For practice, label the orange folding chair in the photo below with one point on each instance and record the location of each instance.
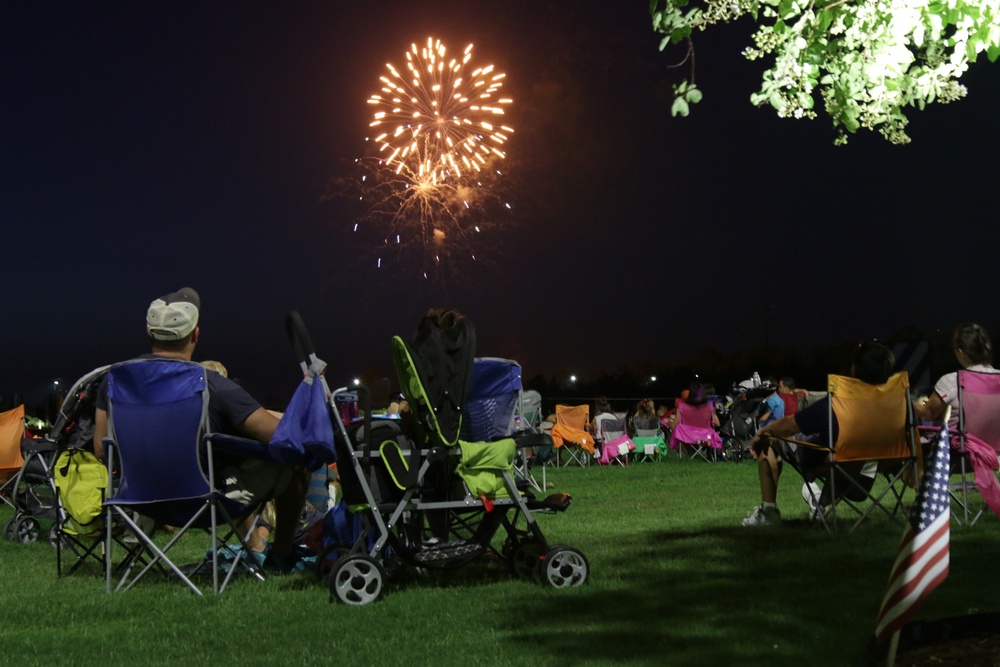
(11, 432)
(876, 437)
(570, 436)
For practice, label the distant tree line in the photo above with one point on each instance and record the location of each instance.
(709, 366)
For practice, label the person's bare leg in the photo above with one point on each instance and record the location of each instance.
(254, 539)
(769, 472)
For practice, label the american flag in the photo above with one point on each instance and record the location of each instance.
(922, 562)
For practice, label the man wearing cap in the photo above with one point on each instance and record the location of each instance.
(172, 325)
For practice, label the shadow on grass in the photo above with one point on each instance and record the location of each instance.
(720, 596)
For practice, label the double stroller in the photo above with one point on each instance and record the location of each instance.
(421, 498)
(33, 489)
(737, 412)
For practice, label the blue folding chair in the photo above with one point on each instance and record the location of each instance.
(494, 409)
(492, 405)
(159, 440)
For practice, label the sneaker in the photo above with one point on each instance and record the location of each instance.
(811, 492)
(763, 516)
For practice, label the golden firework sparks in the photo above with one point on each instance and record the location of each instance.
(436, 122)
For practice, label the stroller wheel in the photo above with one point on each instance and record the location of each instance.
(357, 580)
(26, 530)
(8, 529)
(564, 567)
(524, 557)
(327, 559)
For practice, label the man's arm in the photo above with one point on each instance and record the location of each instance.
(785, 427)
(259, 426)
(930, 408)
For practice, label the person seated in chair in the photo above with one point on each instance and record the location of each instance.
(645, 417)
(173, 329)
(696, 395)
(872, 363)
(602, 412)
(974, 351)
(773, 407)
(789, 395)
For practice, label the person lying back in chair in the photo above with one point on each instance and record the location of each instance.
(873, 364)
(172, 325)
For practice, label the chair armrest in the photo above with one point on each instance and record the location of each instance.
(803, 443)
(533, 440)
(38, 445)
(242, 447)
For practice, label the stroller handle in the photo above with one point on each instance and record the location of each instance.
(301, 343)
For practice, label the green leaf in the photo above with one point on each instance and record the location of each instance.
(653, 4)
(993, 52)
(823, 20)
(664, 42)
(693, 95)
(679, 108)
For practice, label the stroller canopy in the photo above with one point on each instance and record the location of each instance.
(434, 373)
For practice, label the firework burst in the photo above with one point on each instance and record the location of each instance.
(431, 185)
(436, 122)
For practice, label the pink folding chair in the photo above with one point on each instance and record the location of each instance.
(977, 440)
(615, 443)
(694, 429)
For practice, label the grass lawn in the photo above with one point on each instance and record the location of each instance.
(675, 580)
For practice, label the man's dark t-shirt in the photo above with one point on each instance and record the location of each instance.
(229, 404)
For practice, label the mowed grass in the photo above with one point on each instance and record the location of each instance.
(675, 580)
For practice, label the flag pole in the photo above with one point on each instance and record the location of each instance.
(890, 658)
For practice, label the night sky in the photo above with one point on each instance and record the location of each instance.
(150, 146)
